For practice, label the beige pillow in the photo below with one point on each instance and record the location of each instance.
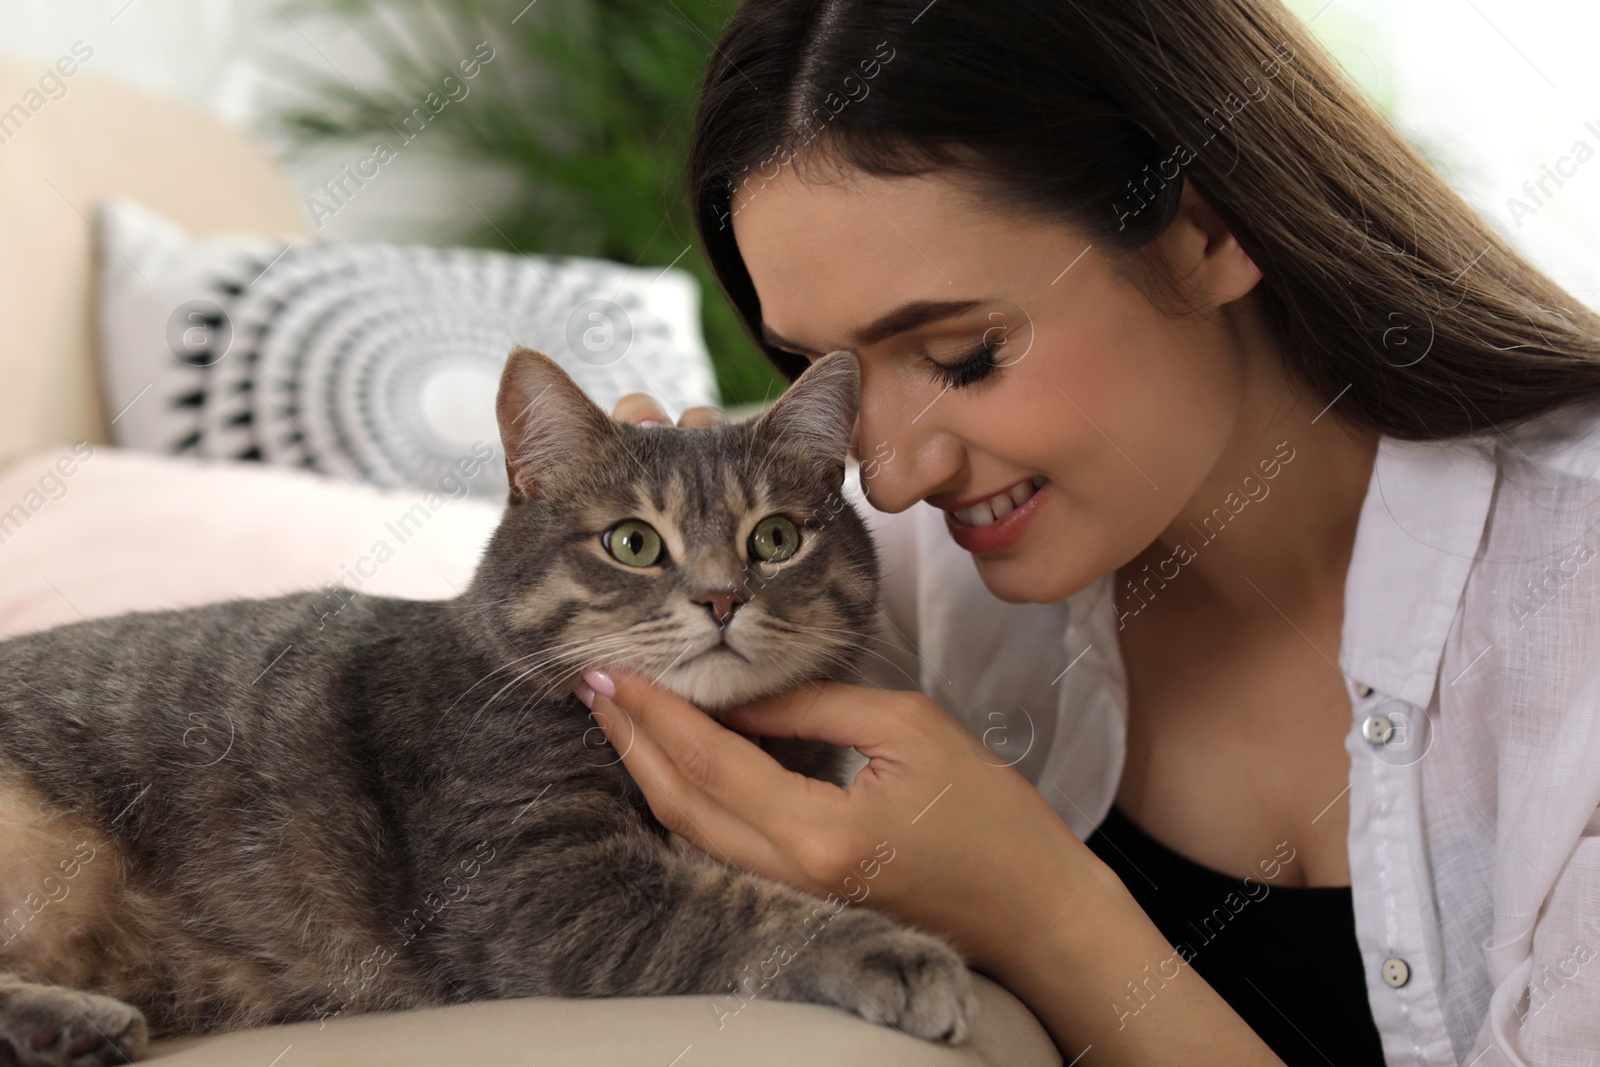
(92, 530)
(91, 138)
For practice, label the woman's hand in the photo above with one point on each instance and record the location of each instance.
(935, 828)
(641, 408)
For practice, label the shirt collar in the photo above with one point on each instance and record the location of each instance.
(1417, 537)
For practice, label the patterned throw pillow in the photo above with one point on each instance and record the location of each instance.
(375, 362)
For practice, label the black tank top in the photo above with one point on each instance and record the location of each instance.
(1285, 958)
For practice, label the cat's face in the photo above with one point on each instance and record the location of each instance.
(722, 561)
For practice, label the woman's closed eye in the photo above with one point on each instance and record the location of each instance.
(975, 366)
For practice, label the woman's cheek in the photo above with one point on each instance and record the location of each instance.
(1102, 418)
(1036, 427)
(1163, 392)
(1070, 397)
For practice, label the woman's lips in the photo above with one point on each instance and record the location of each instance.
(1000, 534)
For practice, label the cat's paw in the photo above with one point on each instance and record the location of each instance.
(904, 978)
(41, 1026)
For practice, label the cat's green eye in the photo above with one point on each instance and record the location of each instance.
(633, 542)
(774, 539)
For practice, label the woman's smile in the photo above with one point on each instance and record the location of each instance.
(995, 522)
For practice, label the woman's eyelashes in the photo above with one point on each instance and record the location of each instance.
(975, 366)
(972, 368)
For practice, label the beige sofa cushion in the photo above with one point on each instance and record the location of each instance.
(620, 1032)
(55, 162)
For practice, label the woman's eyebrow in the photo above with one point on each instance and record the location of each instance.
(907, 316)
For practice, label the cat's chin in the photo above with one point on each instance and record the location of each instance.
(717, 682)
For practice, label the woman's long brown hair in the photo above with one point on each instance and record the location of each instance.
(1388, 293)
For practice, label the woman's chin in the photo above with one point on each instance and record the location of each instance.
(1023, 580)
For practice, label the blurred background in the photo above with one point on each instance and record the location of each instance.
(572, 138)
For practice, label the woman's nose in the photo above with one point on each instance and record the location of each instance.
(904, 455)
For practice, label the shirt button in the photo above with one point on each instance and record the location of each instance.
(1396, 972)
(1363, 690)
(1378, 729)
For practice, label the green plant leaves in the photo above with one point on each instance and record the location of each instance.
(589, 104)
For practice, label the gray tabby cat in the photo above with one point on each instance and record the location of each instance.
(410, 807)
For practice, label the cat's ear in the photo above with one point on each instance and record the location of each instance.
(546, 420)
(818, 412)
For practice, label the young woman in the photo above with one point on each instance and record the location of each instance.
(1262, 476)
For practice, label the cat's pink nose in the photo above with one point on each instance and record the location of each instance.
(722, 605)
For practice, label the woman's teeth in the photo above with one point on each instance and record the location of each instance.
(982, 514)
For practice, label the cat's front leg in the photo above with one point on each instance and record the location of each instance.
(47, 1026)
(629, 916)
(832, 952)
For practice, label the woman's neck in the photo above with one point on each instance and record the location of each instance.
(1272, 528)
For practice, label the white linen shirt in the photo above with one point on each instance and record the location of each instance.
(1471, 640)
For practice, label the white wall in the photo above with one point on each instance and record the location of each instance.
(1495, 88)
(1498, 89)
(218, 55)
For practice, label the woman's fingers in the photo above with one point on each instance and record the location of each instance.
(678, 805)
(823, 711)
(642, 408)
(726, 767)
(639, 408)
(703, 416)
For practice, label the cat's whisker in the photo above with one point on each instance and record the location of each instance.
(461, 696)
(559, 649)
(479, 605)
(842, 657)
(637, 662)
(848, 637)
(852, 635)
(575, 650)
(766, 465)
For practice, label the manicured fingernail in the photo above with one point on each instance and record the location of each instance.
(584, 694)
(650, 422)
(601, 682)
